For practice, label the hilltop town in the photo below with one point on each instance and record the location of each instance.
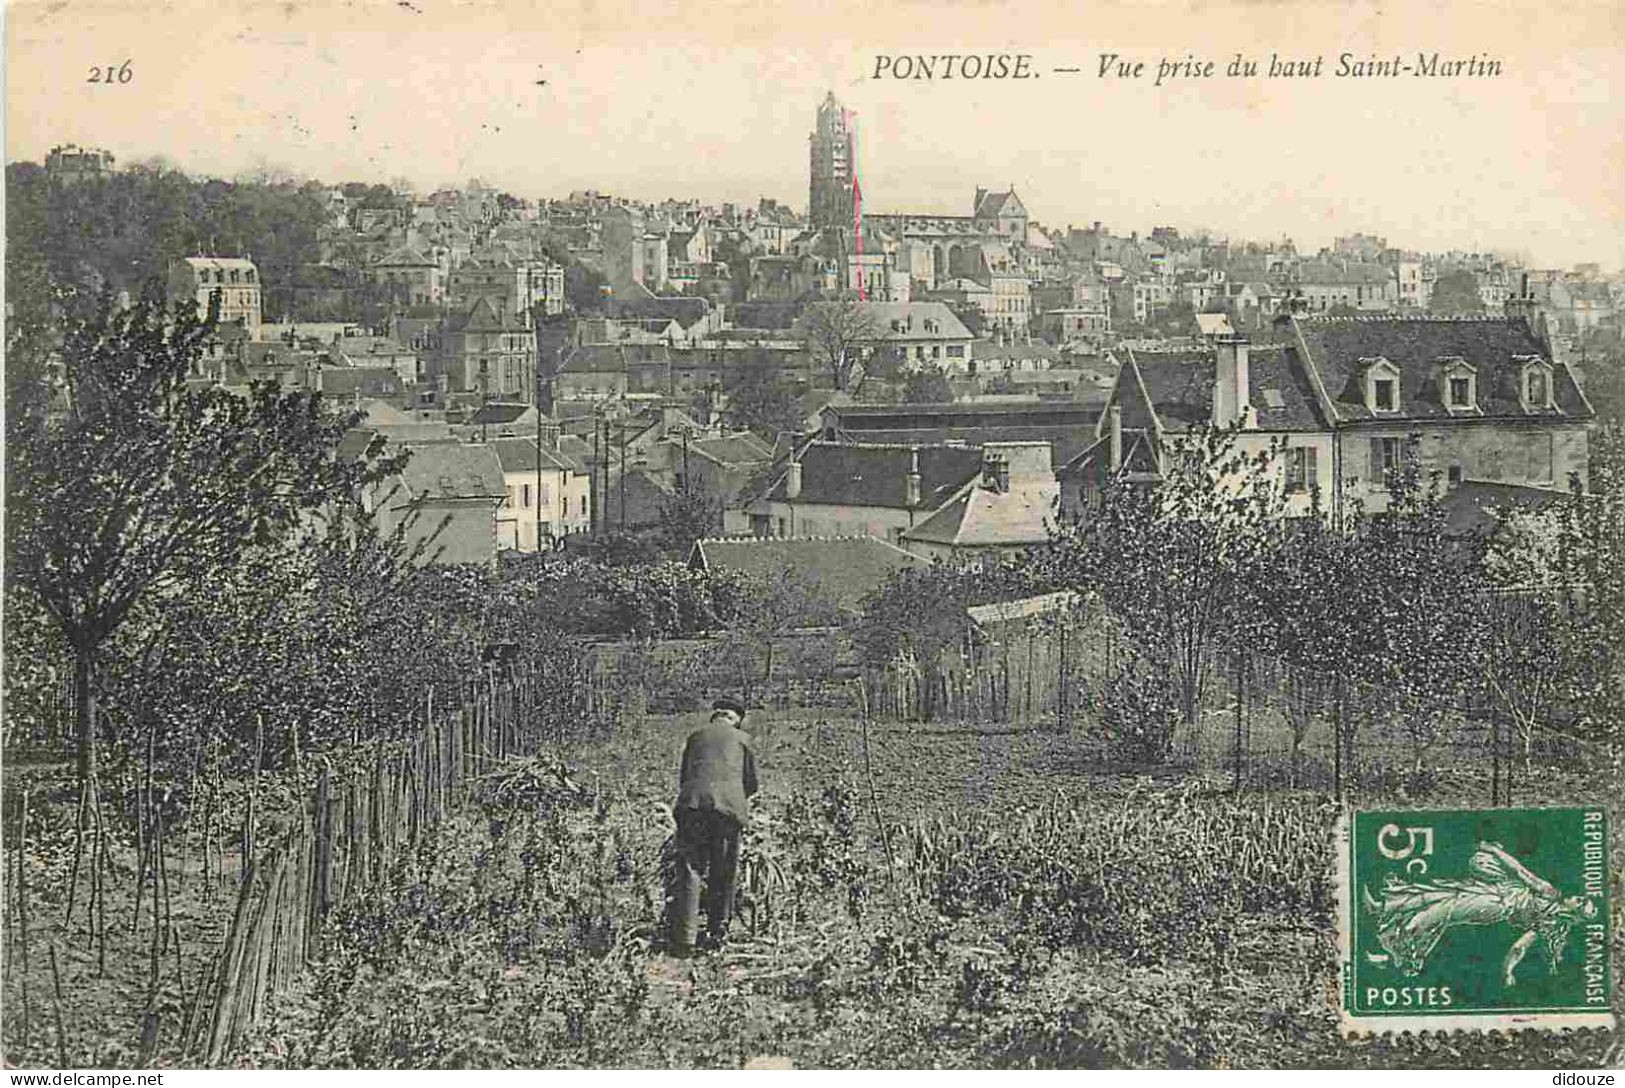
(587, 362)
(1013, 608)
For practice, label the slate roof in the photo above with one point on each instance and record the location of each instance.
(1068, 425)
(1415, 345)
(743, 448)
(575, 448)
(644, 498)
(842, 569)
(362, 346)
(991, 350)
(593, 358)
(498, 412)
(482, 317)
(1355, 273)
(405, 256)
(613, 358)
(978, 517)
(963, 284)
(369, 381)
(764, 314)
(520, 455)
(498, 256)
(646, 354)
(865, 417)
(949, 327)
(685, 311)
(993, 205)
(1139, 458)
(454, 471)
(873, 474)
(354, 443)
(239, 263)
(1474, 506)
(1180, 387)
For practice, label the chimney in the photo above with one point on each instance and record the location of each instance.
(1231, 386)
(1022, 467)
(1115, 417)
(912, 497)
(792, 480)
(996, 474)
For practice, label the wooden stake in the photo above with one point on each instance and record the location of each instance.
(22, 911)
(231, 971)
(61, 1032)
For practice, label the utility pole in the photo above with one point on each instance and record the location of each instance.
(538, 479)
(623, 475)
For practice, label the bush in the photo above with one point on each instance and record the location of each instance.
(1140, 714)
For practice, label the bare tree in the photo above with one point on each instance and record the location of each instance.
(837, 332)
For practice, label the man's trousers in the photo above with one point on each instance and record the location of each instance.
(708, 853)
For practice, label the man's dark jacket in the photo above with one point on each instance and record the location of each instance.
(719, 771)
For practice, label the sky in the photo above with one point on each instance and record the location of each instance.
(714, 101)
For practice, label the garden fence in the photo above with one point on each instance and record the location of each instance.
(1255, 722)
(356, 824)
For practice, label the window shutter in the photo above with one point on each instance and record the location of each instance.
(1310, 467)
(1376, 463)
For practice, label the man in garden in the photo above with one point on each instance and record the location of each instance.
(718, 778)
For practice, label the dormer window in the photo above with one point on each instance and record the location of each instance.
(1381, 385)
(1536, 388)
(1458, 380)
(1534, 383)
(1383, 398)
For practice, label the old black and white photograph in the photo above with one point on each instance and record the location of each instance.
(827, 536)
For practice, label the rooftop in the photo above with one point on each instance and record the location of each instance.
(842, 569)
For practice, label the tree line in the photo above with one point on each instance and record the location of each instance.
(1526, 623)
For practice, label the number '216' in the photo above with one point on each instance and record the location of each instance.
(110, 74)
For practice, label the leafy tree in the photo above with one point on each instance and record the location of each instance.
(585, 288)
(126, 482)
(307, 643)
(1456, 293)
(758, 398)
(838, 333)
(1590, 560)
(691, 512)
(122, 230)
(928, 385)
(769, 606)
(1410, 599)
(1604, 366)
(1177, 320)
(735, 253)
(920, 611)
(1175, 563)
(1303, 598)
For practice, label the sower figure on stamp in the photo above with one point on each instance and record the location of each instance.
(718, 778)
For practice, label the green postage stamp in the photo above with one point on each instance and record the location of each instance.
(1474, 918)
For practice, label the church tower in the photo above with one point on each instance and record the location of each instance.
(832, 166)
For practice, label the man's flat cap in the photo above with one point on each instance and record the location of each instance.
(729, 703)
